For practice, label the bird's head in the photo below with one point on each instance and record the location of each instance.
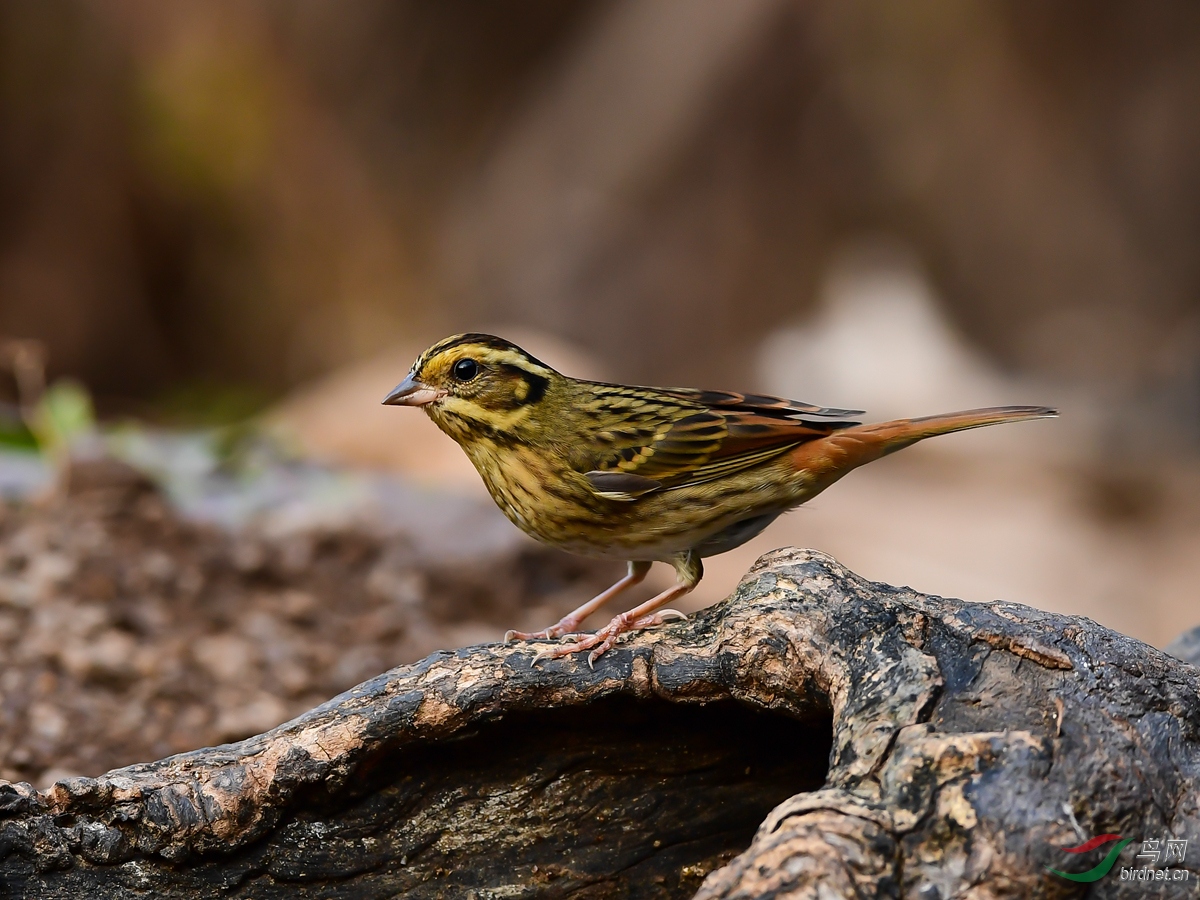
(470, 382)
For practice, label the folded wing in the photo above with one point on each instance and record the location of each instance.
(678, 437)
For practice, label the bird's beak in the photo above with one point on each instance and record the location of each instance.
(411, 392)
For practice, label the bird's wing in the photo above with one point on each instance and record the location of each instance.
(649, 440)
(763, 404)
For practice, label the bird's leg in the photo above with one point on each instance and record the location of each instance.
(688, 571)
(570, 623)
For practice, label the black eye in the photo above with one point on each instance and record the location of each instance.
(466, 369)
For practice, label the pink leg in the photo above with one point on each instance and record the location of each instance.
(569, 623)
(689, 572)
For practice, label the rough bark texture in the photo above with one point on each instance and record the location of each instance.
(897, 744)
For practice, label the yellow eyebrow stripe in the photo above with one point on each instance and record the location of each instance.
(507, 358)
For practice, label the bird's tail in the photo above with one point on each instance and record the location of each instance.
(831, 457)
(889, 437)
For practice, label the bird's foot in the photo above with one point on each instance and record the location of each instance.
(604, 639)
(567, 625)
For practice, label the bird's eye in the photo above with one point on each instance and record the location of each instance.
(465, 369)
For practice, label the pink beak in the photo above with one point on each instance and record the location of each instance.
(411, 392)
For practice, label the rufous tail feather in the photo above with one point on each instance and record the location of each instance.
(831, 457)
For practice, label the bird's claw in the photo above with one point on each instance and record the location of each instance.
(575, 643)
(565, 647)
(600, 649)
(543, 653)
(563, 628)
(659, 618)
(513, 635)
(599, 643)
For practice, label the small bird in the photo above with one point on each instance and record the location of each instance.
(643, 474)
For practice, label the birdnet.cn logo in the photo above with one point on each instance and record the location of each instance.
(1159, 854)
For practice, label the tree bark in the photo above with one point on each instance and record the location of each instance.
(816, 735)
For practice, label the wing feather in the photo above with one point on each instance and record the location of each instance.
(763, 404)
(676, 437)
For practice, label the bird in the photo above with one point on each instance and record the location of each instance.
(643, 474)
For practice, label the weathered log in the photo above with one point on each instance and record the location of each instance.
(897, 744)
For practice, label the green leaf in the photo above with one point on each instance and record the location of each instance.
(63, 414)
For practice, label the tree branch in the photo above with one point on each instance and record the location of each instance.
(897, 744)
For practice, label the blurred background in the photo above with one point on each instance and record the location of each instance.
(215, 213)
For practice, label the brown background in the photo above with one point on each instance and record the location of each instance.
(203, 199)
